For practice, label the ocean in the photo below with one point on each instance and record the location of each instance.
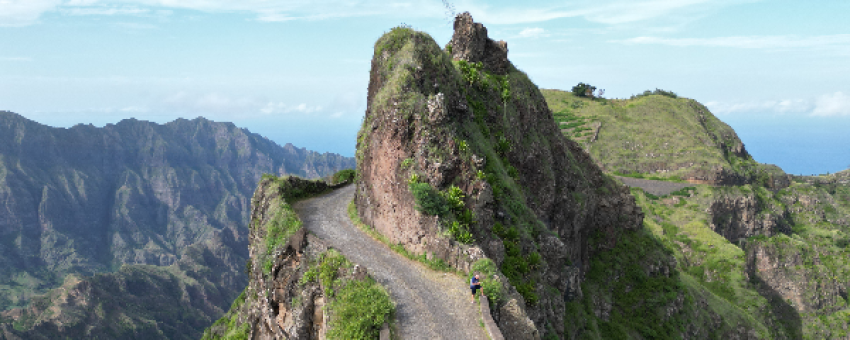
(801, 145)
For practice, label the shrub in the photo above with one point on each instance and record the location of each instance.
(454, 197)
(359, 311)
(657, 91)
(527, 291)
(344, 176)
(506, 90)
(842, 242)
(534, 259)
(460, 232)
(471, 71)
(428, 201)
(583, 90)
(503, 146)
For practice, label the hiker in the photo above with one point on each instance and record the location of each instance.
(475, 284)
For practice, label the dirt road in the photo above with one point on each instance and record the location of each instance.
(429, 305)
(658, 188)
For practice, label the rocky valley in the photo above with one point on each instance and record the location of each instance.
(131, 230)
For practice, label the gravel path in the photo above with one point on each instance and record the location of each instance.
(429, 305)
(657, 188)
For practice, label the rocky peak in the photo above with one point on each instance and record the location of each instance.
(485, 139)
(471, 43)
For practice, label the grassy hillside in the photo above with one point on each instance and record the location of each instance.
(765, 249)
(657, 136)
(793, 283)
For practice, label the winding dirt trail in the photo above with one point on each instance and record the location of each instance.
(429, 304)
(658, 188)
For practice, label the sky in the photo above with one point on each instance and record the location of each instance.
(297, 71)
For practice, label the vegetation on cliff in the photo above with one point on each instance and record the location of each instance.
(466, 123)
(307, 288)
(767, 251)
(563, 242)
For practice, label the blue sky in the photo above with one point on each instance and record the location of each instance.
(297, 71)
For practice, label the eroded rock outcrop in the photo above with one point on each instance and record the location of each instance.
(471, 43)
(483, 134)
(740, 217)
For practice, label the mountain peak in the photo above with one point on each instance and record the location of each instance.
(471, 43)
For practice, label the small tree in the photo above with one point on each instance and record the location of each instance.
(584, 90)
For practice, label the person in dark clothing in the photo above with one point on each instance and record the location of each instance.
(474, 285)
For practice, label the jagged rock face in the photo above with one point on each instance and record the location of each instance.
(471, 43)
(740, 217)
(425, 118)
(784, 270)
(87, 200)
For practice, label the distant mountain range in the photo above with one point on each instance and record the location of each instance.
(88, 200)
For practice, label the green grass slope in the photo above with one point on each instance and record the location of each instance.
(789, 281)
(657, 135)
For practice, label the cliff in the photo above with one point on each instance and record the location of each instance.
(299, 288)
(460, 157)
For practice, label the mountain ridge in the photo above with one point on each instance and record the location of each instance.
(86, 200)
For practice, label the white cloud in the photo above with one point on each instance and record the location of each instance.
(216, 105)
(836, 104)
(759, 42)
(532, 32)
(610, 12)
(764, 106)
(24, 12)
(129, 10)
(279, 107)
(134, 26)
